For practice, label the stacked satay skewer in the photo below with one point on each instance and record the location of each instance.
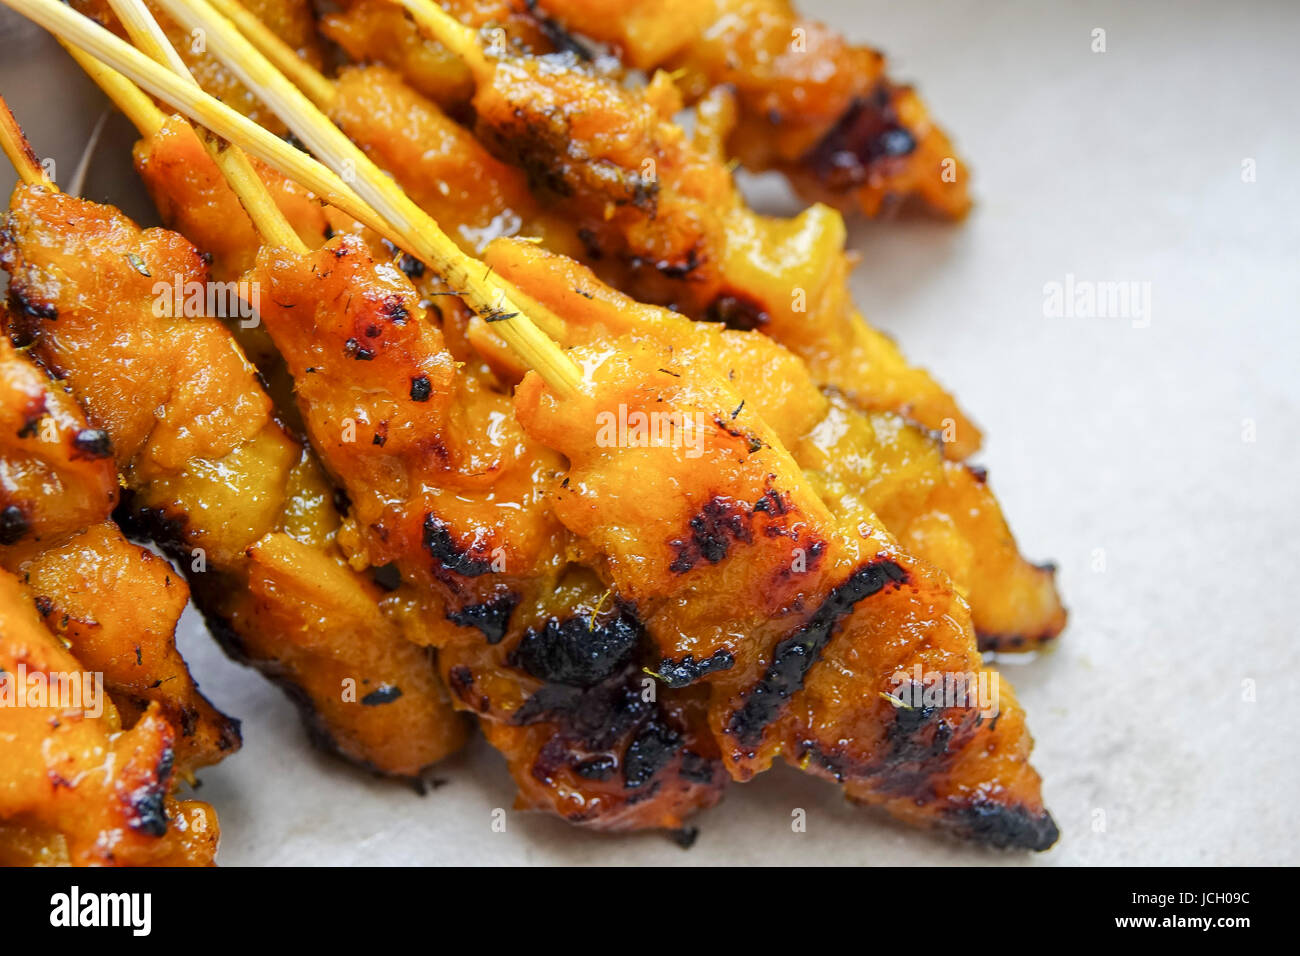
(808, 103)
(98, 711)
(744, 571)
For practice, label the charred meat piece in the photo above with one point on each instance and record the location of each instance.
(815, 624)
(441, 480)
(446, 488)
(587, 733)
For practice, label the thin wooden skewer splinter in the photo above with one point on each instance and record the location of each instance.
(19, 151)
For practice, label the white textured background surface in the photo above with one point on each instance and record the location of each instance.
(1117, 166)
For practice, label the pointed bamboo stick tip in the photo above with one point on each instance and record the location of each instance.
(19, 151)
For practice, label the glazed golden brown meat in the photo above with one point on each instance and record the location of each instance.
(116, 606)
(811, 105)
(215, 480)
(75, 786)
(662, 219)
(112, 603)
(942, 511)
(812, 630)
(193, 199)
(446, 487)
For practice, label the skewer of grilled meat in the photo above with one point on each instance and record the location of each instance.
(662, 219)
(112, 603)
(810, 104)
(808, 624)
(942, 511)
(215, 480)
(54, 805)
(79, 788)
(446, 487)
(862, 775)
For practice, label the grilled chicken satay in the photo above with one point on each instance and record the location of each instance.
(753, 722)
(446, 487)
(810, 104)
(291, 20)
(112, 603)
(75, 785)
(812, 630)
(215, 480)
(661, 218)
(942, 511)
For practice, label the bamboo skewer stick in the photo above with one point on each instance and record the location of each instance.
(19, 151)
(538, 351)
(233, 162)
(471, 280)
